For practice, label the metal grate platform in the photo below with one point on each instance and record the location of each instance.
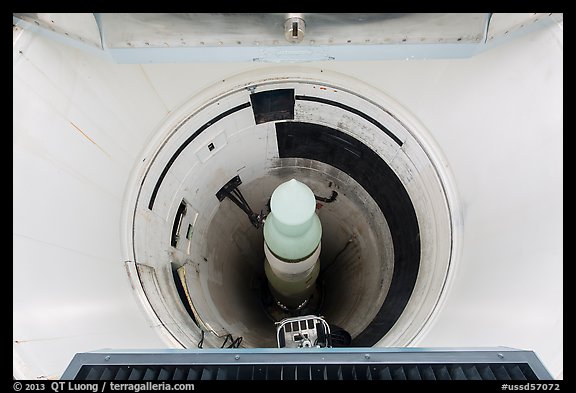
(308, 364)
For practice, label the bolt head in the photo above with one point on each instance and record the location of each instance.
(294, 29)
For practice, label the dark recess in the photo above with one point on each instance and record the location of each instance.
(182, 292)
(180, 213)
(273, 105)
(333, 147)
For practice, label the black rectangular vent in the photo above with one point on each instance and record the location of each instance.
(508, 371)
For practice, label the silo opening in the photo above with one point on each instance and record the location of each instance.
(198, 225)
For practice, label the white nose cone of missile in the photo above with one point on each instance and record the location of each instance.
(292, 234)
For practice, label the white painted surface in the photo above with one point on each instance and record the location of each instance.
(74, 145)
(81, 122)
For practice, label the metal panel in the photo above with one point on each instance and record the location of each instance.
(78, 26)
(311, 364)
(173, 30)
(502, 24)
(261, 37)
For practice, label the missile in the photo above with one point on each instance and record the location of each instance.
(292, 234)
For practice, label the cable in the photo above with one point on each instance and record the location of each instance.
(352, 238)
(201, 342)
(234, 343)
(226, 340)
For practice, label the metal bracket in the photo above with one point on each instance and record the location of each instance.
(231, 191)
(327, 200)
(303, 332)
